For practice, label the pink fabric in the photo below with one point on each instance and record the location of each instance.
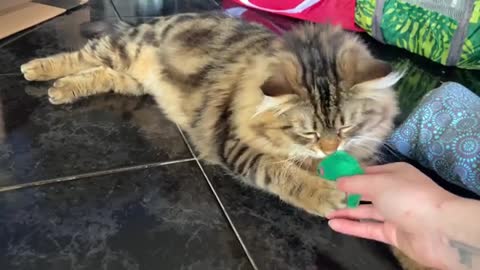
(338, 12)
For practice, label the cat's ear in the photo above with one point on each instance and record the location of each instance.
(381, 83)
(278, 90)
(372, 69)
(358, 68)
(282, 78)
(278, 105)
(277, 85)
(277, 96)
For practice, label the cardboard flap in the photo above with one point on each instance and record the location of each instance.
(18, 15)
(8, 4)
(25, 15)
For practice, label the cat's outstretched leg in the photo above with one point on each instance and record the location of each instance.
(299, 187)
(291, 183)
(57, 66)
(90, 82)
(106, 51)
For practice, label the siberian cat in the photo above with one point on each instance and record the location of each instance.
(267, 108)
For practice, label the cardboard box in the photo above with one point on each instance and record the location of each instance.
(18, 15)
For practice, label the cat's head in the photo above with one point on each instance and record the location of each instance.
(328, 93)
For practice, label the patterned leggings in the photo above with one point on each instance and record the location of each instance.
(443, 135)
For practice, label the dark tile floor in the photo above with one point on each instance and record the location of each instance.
(126, 191)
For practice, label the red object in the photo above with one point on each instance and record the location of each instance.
(337, 12)
(277, 24)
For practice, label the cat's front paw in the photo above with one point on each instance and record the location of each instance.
(331, 200)
(35, 70)
(62, 91)
(322, 199)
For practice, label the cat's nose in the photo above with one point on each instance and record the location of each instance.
(329, 145)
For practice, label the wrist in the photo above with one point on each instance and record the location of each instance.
(458, 224)
(458, 219)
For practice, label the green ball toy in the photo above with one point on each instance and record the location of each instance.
(341, 164)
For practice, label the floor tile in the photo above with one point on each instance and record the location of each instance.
(93, 9)
(39, 140)
(60, 34)
(63, 33)
(151, 8)
(160, 218)
(279, 236)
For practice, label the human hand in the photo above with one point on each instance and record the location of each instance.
(404, 212)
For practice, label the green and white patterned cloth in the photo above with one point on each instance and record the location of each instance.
(445, 31)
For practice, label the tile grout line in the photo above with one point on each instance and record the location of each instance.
(11, 74)
(115, 10)
(222, 207)
(92, 174)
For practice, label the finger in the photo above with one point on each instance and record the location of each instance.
(364, 211)
(367, 230)
(367, 185)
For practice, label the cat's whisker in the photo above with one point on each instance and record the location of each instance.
(295, 158)
(361, 139)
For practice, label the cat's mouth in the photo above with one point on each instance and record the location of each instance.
(323, 153)
(320, 154)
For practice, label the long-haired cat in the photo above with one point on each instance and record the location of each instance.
(267, 108)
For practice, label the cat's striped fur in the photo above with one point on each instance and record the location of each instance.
(264, 107)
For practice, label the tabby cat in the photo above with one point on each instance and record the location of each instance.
(264, 107)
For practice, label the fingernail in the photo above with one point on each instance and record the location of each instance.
(331, 223)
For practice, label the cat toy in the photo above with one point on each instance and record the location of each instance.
(341, 164)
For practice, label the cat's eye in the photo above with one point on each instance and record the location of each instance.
(310, 135)
(341, 131)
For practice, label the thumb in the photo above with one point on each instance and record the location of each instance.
(367, 229)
